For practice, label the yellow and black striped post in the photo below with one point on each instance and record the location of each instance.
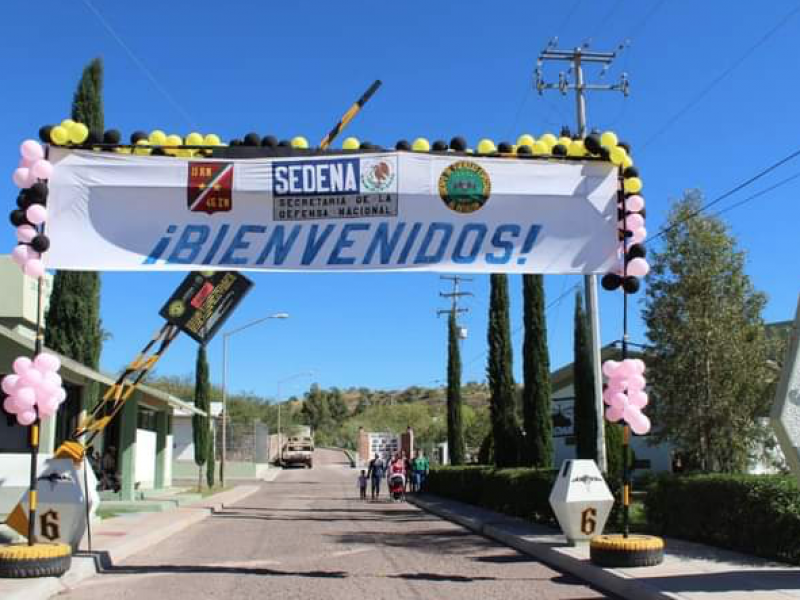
(627, 468)
(36, 425)
(349, 115)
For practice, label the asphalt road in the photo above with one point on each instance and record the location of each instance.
(308, 536)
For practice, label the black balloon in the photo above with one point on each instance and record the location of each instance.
(112, 136)
(559, 150)
(610, 281)
(38, 193)
(40, 243)
(592, 144)
(458, 143)
(402, 145)
(158, 152)
(236, 142)
(637, 251)
(366, 146)
(604, 153)
(630, 285)
(630, 172)
(284, 144)
(17, 217)
(269, 141)
(524, 149)
(138, 135)
(23, 200)
(626, 146)
(439, 146)
(252, 139)
(44, 133)
(505, 148)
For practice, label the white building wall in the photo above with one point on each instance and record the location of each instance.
(145, 471)
(168, 462)
(182, 441)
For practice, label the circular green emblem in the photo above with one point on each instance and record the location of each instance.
(176, 308)
(464, 186)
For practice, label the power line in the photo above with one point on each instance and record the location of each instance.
(727, 194)
(704, 92)
(758, 194)
(141, 65)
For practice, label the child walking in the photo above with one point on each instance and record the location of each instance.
(362, 484)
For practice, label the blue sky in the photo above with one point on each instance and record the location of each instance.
(448, 69)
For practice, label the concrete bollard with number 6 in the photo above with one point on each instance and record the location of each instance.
(581, 500)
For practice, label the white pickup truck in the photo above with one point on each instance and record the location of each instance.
(298, 448)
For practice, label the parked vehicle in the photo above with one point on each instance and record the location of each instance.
(298, 448)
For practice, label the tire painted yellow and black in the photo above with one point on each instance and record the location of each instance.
(632, 551)
(21, 561)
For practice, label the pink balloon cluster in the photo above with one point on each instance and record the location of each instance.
(28, 259)
(34, 387)
(625, 395)
(33, 166)
(632, 264)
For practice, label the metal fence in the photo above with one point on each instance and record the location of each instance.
(246, 442)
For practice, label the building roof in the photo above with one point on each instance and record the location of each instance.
(151, 396)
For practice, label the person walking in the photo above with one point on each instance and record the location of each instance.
(421, 467)
(375, 473)
(362, 484)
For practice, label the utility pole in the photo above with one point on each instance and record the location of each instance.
(454, 295)
(578, 57)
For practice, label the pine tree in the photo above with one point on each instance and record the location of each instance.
(708, 365)
(202, 401)
(455, 425)
(73, 326)
(536, 409)
(585, 411)
(505, 426)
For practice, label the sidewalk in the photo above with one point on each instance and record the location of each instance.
(115, 539)
(689, 571)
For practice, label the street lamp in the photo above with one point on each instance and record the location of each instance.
(225, 336)
(281, 382)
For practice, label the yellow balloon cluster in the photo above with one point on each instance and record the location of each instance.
(69, 132)
(351, 143)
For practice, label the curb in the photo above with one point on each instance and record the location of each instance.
(86, 565)
(557, 555)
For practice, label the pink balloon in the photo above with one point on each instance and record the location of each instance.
(619, 400)
(34, 268)
(639, 235)
(613, 414)
(42, 169)
(634, 203)
(640, 425)
(625, 370)
(62, 395)
(36, 214)
(607, 394)
(27, 417)
(47, 362)
(32, 378)
(637, 398)
(25, 233)
(610, 368)
(10, 405)
(20, 255)
(639, 364)
(48, 407)
(31, 149)
(617, 385)
(638, 267)
(53, 378)
(21, 177)
(46, 389)
(636, 382)
(24, 162)
(22, 364)
(634, 221)
(9, 384)
(25, 396)
(629, 412)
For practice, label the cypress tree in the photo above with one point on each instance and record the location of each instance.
(505, 427)
(211, 462)
(585, 418)
(455, 426)
(72, 323)
(536, 410)
(202, 401)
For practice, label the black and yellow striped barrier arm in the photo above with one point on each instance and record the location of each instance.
(349, 115)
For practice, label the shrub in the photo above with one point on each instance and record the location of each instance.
(520, 492)
(755, 514)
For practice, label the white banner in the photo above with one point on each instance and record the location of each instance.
(383, 211)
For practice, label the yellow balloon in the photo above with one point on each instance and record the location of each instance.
(565, 141)
(299, 142)
(617, 154)
(123, 150)
(514, 148)
(351, 143)
(142, 148)
(486, 146)
(194, 139)
(173, 140)
(185, 153)
(78, 133)
(549, 140)
(212, 139)
(608, 139)
(633, 185)
(157, 137)
(67, 123)
(540, 148)
(421, 145)
(627, 162)
(526, 139)
(576, 148)
(59, 135)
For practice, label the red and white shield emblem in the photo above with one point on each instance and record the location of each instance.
(210, 187)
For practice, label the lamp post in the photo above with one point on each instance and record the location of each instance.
(225, 336)
(281, 382)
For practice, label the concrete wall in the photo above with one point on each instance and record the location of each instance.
(145, 471)
(185, 471)
(168, 462)
(182, 441)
